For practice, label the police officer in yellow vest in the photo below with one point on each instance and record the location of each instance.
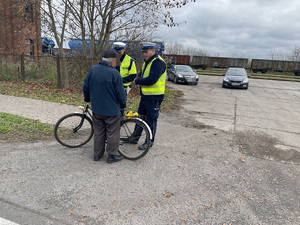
(152, 81)
(127, 68)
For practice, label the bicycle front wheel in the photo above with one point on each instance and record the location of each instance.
(73, 130)
(134, 132)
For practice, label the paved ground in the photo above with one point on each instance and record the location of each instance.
(267, 115)
(46, 112)
(213, 162)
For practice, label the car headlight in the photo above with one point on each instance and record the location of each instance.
(246, 80)
(197, 76)
(179, 75)
(226, 79)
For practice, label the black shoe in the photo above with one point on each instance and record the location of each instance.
(144, 146)
(97, 158)
(113, 158)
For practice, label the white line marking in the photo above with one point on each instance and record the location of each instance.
(7, 222)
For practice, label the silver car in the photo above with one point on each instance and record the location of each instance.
(236, 78)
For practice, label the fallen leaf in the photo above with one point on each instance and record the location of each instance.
(168, 194)
(242, 159)
(71, 213)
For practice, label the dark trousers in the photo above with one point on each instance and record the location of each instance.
(150, 109)
(106, 128)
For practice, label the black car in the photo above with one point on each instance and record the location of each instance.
(182, 74)
(236, 77)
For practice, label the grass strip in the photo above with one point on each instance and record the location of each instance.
(17, 128)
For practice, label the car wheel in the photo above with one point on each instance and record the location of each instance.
(175, 80)
(168, 78)
(246, 88)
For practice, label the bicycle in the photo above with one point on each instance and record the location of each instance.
(76, 129)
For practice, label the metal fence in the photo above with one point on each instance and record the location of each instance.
(49, 70)
(45, 69)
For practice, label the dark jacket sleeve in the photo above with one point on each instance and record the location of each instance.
(132, 72)
(120, 92)
(158, 67)
(86, 87)
(129, 78)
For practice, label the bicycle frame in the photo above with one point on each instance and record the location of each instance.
(86, 111)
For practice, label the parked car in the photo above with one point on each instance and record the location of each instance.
(182, 74)
(236, 78)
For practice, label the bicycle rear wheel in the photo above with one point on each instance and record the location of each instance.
(133, 133)
(73, 130)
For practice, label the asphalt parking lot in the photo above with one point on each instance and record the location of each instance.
(226, 157)
(267, 115)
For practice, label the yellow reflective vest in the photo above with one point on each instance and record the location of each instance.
(159, 87)
(126, 69)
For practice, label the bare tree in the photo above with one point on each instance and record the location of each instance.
(57, 28)
(195, 52)
(275, 54)
(295, 55)
(176, 48)
(237, 54)
(96, 21)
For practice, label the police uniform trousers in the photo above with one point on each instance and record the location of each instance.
(106, 128)
(150, 109)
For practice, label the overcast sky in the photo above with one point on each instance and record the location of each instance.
(242, 28)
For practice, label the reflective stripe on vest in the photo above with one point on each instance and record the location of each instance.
(159, 87)
(124, 68)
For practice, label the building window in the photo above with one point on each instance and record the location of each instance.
(31, 52)
(28, 12)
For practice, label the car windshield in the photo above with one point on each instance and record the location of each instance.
(237, 72)
(184, 69)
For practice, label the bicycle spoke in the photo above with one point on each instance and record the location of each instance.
(133, 133)
(73, 130)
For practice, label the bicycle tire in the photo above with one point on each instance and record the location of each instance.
(74, 130)
(130, 142)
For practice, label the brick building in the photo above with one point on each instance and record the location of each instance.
(20, 27)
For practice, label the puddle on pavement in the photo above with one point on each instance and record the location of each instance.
(264, 146)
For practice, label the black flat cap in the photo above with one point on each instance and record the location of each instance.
(109, 54)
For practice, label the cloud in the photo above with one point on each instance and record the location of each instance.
(223, 27)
